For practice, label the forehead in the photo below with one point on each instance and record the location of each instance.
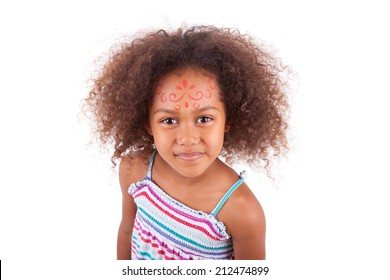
(188, 89)
(193, 74)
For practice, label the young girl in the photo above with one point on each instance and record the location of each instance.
(173, 104)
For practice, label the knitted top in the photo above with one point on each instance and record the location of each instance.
(165, 229)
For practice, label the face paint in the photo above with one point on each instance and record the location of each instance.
(184, 90)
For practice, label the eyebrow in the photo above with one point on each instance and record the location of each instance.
(200, 110)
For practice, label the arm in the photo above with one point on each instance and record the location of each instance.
(128, 174)
(126, 227)
(247, 225)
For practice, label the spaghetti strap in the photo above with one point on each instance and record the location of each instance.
(149, 174)
(229, 193)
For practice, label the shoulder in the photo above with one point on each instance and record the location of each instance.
(132, 168)
(244, 219)
(244, 209)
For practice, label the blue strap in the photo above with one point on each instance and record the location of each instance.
(229, 193)
(149, 174)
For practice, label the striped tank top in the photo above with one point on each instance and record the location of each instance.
(165, 229)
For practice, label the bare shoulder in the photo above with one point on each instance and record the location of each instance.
(243, 208)
(132, 168)
(244, 219)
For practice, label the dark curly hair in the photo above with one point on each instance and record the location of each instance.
(250, 79)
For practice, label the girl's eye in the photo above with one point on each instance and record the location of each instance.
(204, 119)
(169, 121)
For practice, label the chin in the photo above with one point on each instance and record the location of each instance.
(190, 170)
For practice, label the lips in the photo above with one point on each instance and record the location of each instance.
(189, 156)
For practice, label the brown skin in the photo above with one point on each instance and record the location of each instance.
(245, 221)
(242, 214)
(130, 170)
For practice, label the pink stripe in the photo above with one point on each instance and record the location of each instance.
(191, 250)
(164, 245)
(145, 194)
(178, 211)
(138, 226)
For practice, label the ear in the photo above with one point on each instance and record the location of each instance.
(148, 127)
(227, 127)
(149, 130)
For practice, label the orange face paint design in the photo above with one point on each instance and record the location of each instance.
(186, 89)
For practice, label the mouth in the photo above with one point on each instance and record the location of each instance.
(189, 156)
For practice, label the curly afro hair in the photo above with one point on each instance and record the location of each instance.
(250, 79)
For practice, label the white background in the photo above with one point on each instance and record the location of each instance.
(327, 209)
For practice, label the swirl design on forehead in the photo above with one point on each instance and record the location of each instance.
(186, 89)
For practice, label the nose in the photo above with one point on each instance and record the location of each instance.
(187, 136)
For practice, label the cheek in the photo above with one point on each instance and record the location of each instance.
(161, 137)
(216, 136)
